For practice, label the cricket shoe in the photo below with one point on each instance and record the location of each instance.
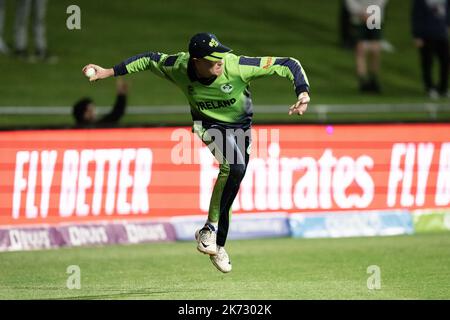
(221, 260)
(206, 240)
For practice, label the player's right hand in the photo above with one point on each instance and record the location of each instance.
(100, 73)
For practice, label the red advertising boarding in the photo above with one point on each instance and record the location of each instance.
(57, 176)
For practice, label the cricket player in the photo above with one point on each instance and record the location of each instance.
(216, 84)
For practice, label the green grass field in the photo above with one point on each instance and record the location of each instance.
(412, 267)
(111, 32)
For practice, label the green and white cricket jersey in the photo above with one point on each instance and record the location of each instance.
(226, 99)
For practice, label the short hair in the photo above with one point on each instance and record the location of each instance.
(79, 109)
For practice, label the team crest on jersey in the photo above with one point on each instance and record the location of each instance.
(227, 88)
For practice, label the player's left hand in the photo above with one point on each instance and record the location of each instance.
(301, 105)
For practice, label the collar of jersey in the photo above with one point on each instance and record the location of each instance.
(193, 76)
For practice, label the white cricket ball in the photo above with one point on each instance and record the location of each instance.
(90, 72)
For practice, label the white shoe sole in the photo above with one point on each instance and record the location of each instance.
(204, 250)
(219, 268)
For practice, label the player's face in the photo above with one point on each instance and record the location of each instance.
(207, 69)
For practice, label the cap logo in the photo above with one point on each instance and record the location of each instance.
(213, 43)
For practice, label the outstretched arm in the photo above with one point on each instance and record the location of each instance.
(155, 62)
(252, 68)
(100, 73)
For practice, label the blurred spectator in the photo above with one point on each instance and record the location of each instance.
(430, 20)
(3, 47)
(85, 114)
(23, 10)
(367, 41)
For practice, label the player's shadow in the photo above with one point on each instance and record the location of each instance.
(125, 294)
